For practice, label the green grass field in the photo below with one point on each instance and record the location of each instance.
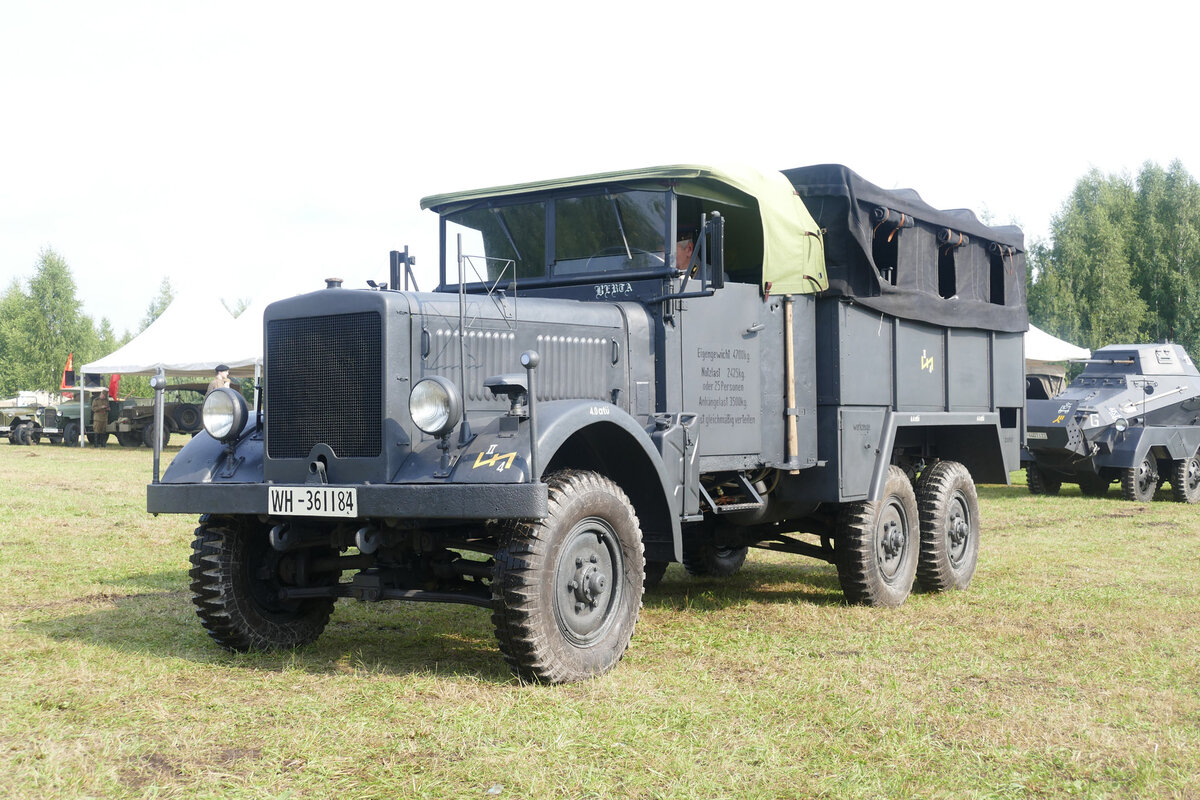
(1070, 669)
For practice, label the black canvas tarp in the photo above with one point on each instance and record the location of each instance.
(891, 251)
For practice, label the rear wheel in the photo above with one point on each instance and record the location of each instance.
(1138, 483)
(1185, 479)
(129, 439)
(878, 544)
(148, 436)
(568, 588)
(949, 509)
(1039, 482)
(236, 577)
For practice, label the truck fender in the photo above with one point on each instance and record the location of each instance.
(1179, 442)
(562, 424)
(203, 460)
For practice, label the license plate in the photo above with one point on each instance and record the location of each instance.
(313, 501)
(1035, 435)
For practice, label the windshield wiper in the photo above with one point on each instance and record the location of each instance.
(507, 233)
(621, 226)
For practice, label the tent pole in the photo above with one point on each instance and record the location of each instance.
(158, 383)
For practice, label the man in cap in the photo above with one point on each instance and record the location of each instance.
(221, 381)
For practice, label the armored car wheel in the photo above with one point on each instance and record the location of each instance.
(1095, 485)
(236, 577)
(1185, 479)
(1039, 482)
(878, 545)
(710, 558)
(567, 589)
(655, 570)
(949, 511)
(1138, 483)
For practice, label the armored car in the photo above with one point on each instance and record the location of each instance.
(617, 372)
(1132, 416)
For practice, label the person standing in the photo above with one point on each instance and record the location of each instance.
(100, 419)
(220, 381)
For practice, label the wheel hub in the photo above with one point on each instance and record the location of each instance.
(586, 573)
(589, 583)
(892, 540)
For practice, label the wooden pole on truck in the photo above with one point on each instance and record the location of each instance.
(789, 369)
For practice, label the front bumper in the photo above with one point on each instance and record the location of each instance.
(446, 501)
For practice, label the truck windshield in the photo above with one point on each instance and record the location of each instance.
(559, 237)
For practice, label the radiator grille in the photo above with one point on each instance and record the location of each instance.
(325, 385)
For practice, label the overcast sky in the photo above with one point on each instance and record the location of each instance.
(246, 149)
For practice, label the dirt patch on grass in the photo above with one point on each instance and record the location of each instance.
(157, 769)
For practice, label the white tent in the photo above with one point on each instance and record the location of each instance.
(190, 338)
(1041, 346)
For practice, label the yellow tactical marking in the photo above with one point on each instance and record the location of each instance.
(926, 362)
(493, 460)
(1057, 419)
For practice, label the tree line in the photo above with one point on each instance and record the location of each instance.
(1122, 263)
(41, 325)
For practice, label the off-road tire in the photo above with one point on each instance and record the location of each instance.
(709, 558)
(148, 436)
(655, 570)
(21, 435)
(878, 545)
(187, 418)
(235, 588)
(71, 434)
(567, 589)
(949, 508)
(1139, 482)
(1039, 482)
(1095, 485)
(1185, 479)
(129, 439)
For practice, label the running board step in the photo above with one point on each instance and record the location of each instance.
(756, 501)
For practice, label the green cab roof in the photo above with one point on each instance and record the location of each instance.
(793, 250)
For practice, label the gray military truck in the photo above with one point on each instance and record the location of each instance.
(1132, 415)
(617, 372)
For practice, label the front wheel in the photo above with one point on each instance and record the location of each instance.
(567, 589)
(878, 544)
(1138, 483)
(1039, 482)
(949, 508)
(1094, 485)
(1185, 479)
(710, 558)
(71, 434)
(236, 577)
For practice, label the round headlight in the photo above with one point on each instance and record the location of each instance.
(224, 414)
(435, 405)
(1121, 424)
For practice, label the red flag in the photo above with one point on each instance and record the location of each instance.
(114, 383)
(68, 379)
